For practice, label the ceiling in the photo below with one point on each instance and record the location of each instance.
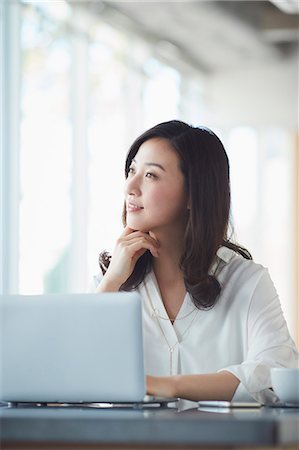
(208, 35)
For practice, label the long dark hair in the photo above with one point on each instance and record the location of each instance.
(205, 166)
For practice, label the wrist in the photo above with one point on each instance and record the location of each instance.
(175, 381)
(107, 285)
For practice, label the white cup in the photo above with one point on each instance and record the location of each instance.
(285, 383)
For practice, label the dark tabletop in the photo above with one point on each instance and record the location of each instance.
(261, 426)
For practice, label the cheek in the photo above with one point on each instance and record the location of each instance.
(160, 199)
(157, 197)
(170, 200)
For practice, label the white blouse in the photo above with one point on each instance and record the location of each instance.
(245, 333)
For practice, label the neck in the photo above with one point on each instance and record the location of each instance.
(167, 265)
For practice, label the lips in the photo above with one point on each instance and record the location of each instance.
(133, 207)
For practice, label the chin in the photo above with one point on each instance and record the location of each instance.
(138, 226)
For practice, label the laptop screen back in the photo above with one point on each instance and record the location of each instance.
(71, 348)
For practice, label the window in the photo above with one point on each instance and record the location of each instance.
(45, 150)
(75, 92)
(84, 96)
(262, 184)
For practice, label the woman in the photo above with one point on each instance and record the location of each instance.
(213, 324)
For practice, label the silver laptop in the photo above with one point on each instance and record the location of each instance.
(71, 348)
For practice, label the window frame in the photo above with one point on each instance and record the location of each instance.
(10, 16)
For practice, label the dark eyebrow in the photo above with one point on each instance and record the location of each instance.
(151, 164)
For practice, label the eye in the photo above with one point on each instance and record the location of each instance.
(131, 170)
(150, 175)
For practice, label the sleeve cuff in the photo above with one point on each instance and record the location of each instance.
(242, 393)
(94, 284)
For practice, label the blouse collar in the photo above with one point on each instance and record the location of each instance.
(225, 254)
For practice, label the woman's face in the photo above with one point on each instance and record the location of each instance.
(155, 195)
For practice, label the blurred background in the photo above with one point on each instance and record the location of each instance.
(81, 79)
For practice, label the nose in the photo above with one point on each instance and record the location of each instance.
(132, 185)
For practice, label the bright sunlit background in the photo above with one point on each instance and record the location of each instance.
(79, 83)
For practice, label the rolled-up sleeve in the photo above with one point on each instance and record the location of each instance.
(269, 344)
(94, 283)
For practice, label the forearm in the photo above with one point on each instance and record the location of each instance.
(107, 285)
(214, 386)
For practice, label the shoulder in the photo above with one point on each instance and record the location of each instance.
(239, 274)
(235, 263)
(246, 287)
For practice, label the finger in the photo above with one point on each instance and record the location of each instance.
(141, 235)
(153, 236)
(127, 231)
(138, 254)
(138, 245)
(143, 240)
